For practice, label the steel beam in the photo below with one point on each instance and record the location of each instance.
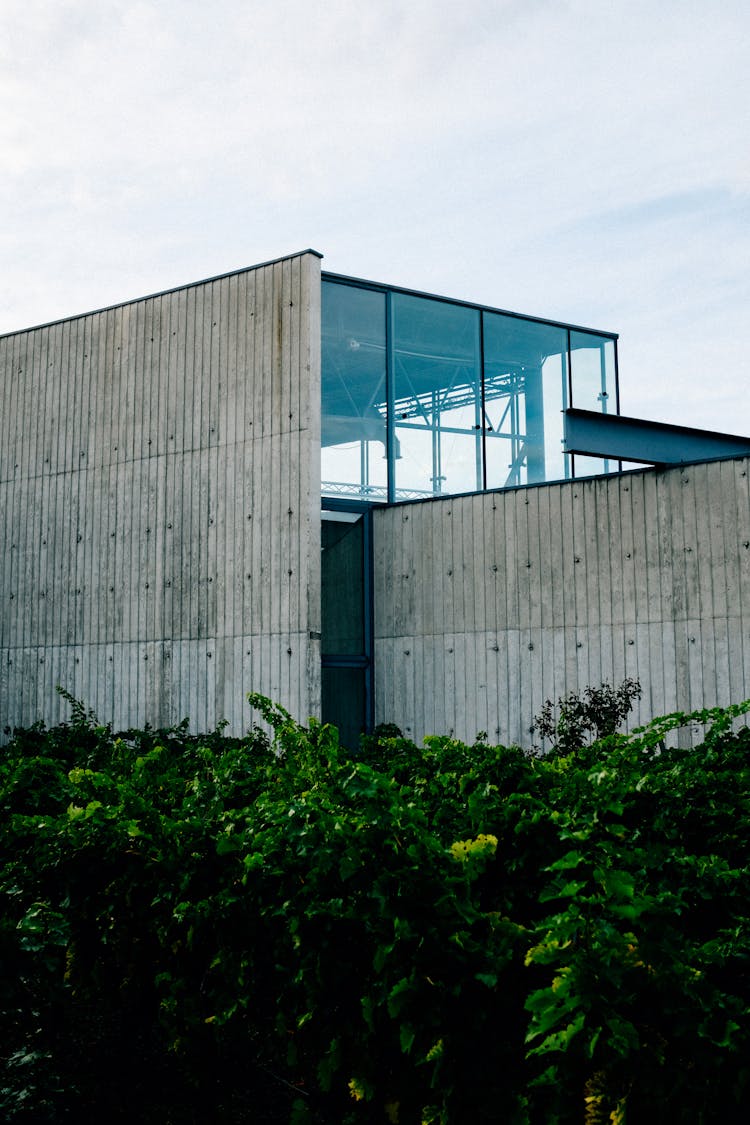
(653, 443)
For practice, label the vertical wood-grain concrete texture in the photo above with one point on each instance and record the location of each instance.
(487, 605)
(159, 504)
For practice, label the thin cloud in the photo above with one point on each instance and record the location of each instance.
(583, 161)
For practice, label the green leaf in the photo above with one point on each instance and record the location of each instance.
(567, 862)
(399, 995)
(228, 841)
(618, 883)
(349, 864)
(488, 979)
(629, 911)
(560, 1040)
(567, 890)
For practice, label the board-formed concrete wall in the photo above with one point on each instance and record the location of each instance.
(159, 504)
(487, 605)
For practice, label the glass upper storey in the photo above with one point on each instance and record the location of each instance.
(424, 396)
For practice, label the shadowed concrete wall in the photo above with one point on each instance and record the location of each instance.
(159, 504)
(487, 605)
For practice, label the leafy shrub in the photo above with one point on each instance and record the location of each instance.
(599, 711)
(273, 930)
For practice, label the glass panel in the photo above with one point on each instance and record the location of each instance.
(343, 703)
(353, 426)
(437, 407)
(445, 438)
(525, 392)
(593, 466)
(592, 368)
(342, 588)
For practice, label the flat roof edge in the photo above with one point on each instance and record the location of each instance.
(364, 283)
(160, 293)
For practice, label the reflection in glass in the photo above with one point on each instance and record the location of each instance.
(525, 392)
(342, 588)
(423, 396)
(592, 370)
(353, 421)
(592, 377)
(437, 397)
(592, 466)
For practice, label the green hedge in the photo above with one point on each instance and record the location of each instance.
(224, 930)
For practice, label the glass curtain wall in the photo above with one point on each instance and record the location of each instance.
(428, 397)
(437, 397)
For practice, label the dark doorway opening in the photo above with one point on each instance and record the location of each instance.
(346, 622)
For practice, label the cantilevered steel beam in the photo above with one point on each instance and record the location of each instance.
(654, 443)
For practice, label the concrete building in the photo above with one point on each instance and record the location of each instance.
(367, 503)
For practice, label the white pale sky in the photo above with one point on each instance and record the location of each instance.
(586, 160)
